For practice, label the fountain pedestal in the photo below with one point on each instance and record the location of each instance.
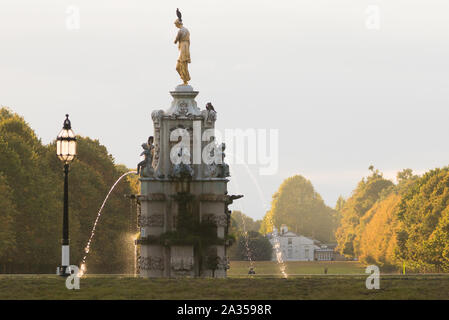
(184, 216)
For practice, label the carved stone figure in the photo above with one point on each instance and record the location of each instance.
(220, 169)
(224, 167)
(145, 167)
(228, 201)
(183, 41)
(211, 113)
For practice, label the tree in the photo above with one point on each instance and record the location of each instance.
(7, 212)
(252, 245)
(31, 185)
(368, 191)
(240, 222)
(423, 236)
(297, 205)
(340, 203)
(376, 242)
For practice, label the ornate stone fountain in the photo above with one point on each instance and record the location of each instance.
(184, 216)
(183, 213)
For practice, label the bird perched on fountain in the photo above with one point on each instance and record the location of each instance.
(210, 107)
(178, 14)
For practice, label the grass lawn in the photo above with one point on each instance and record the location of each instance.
(306, 287)
(240, 268)
(347, 281)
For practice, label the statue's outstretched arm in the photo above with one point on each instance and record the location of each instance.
(177, 38)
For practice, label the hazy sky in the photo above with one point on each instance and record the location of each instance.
(344, 89)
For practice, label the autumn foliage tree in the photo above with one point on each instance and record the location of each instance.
(368, 191)
(297, 205)
(376, 242)
(403, 224)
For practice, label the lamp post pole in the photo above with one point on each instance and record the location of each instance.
(65, 224)
(66, 152)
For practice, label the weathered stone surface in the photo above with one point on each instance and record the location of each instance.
(197, 188)
(154, 220)
(219, 220)
(151, 263)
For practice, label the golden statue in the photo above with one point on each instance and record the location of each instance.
(183, 41)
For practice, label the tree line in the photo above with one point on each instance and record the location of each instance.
(398, 225)
(385, 223)
(31, 202)
(392, 225)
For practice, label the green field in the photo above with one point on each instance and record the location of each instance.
(269, 268)
(345, 280)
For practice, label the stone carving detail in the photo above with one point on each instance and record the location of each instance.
(218, 168)
(183, 108)
(224, 172)
(182, 171)
(181, 263)
(210, 115)
(156, 115)
(211, 171)
(229, 199)
(154, 220)
(219, 220)
(145, 167)
(151, 263)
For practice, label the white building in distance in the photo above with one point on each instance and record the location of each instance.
(293, 247)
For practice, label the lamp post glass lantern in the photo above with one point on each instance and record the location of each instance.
(66, 152)
(66, 142)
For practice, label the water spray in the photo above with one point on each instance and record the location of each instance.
(277, 248)
(83, 267)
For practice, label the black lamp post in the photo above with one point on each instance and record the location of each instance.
(66, 152)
